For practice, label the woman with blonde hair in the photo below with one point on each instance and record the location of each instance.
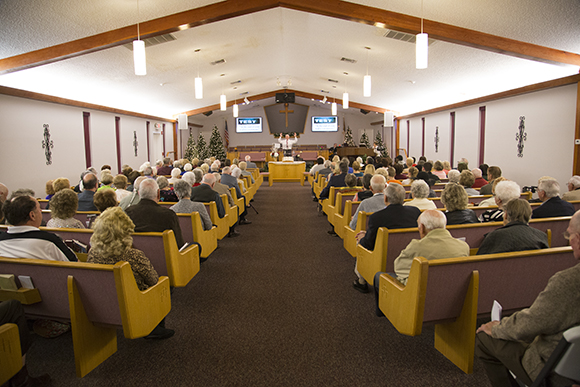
(63, 207)
(369, 169)
(455, 200)
(112, 242)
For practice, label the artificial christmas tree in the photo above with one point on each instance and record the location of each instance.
(364, 140)
(348, 140)
(190, 150)
(202, 151)
(216, 145)
(381, 145)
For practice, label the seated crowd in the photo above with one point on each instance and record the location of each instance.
(127, 203)
(520, 343)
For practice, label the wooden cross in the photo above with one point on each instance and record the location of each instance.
(286, 111)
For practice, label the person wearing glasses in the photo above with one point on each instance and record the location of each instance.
(522, 342)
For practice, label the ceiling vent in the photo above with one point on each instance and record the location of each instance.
(404, 37)
(332, 80)
(154, 41)
(235, 82)
(324, 91)
(343, 59)
(217, 62)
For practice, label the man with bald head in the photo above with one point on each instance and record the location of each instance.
(90, 185)
(522, 342)
(149, 216)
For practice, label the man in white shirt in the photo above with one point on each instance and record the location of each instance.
(287, 144)
(24, 239)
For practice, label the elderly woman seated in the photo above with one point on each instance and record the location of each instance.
(454, 198)
(504, 191)
(63, 208)
(438, 170)
(413, 172)
(198, 173)
(453, 176)
(516, 234)
(105, 199)
(186, 206)
(243, 166)
(419, 193)
(175, 174)
(237, 173)
(112, 242)
(120, 182)
(466, 179)
(166, 193)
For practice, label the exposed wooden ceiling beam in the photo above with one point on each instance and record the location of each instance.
(332, 8)
(270, 94)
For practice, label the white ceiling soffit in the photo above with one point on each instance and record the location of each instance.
(284, 44)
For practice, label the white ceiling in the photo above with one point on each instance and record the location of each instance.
(285, 44)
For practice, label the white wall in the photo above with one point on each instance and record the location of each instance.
(21, 136)
(549, 125)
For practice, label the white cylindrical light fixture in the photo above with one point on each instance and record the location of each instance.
(367, 86)
(421, 51)
(182, 121)
(198, 88)
(139, 57)
(223, 103)
(334, 109)
(388, 119)
(236, 110)
(345, 100)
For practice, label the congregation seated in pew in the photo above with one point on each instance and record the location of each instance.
(374, 203)
(419, 193)
(435, 243)
(516, 234)
(24, 239)
(504, 192)
(552, 205)
(455, 200)
(63, 209)
(186, 206)
(395, 215)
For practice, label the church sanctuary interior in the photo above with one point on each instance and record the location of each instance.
(499, 84)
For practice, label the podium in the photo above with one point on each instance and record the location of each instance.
(286, 171)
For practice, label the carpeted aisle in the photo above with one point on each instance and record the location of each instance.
(273, 307)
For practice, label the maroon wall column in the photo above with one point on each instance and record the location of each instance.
(481, 134)
(118, 141)
(87, 133)
(452, 138)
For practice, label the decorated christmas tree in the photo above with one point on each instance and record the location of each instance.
(364, 140)
(190, 150)
(216, 145)
(202, 151)
(348, 140)
(381, 145)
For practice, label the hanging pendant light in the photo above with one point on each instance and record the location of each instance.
(139, 59)
(421, 46)
(367, 78)
(334, 109)
(345, 98)
(236, 110)
(198, 82)
(223, 103)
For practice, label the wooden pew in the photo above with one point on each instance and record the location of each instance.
(390, 243)
(160, 248)
(349, 241)
(343, 216)
(258, 178)
(10, 352)
(239, 202)
(319, 186)
(43, 205)
(222, 223)
(231, 211)
(329, 205)
(86, 217)
(192, 230)
(454, 292)
(97, 299)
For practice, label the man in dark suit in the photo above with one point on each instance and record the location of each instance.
(166, 168)
(149, 216)
(548, 191)
(232, 182)
(90, 183)
(249, 162)
(204, 193)
(335, 181)
(395, 215)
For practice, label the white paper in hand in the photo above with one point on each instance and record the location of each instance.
(496, 311)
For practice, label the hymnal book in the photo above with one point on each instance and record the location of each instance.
(26, 281)
(7, 282)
